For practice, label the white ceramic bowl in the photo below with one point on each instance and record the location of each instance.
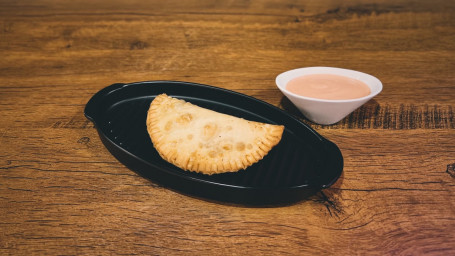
(327, 111)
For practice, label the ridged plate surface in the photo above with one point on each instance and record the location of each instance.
(302, 163)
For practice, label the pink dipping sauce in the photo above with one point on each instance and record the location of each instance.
(328, 87)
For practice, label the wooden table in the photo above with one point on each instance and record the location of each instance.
(63, 193)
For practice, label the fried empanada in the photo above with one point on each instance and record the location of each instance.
(201, 140)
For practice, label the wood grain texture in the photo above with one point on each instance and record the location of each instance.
(63, 193)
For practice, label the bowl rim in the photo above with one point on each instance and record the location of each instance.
(328, 70)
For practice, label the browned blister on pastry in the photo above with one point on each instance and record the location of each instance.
(201, 140)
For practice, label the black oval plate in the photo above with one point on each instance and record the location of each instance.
(302, 163)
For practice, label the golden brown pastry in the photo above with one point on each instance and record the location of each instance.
(201, 140)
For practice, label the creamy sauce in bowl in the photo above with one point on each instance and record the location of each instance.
(328, 87)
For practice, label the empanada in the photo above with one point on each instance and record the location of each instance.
(201, 140)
